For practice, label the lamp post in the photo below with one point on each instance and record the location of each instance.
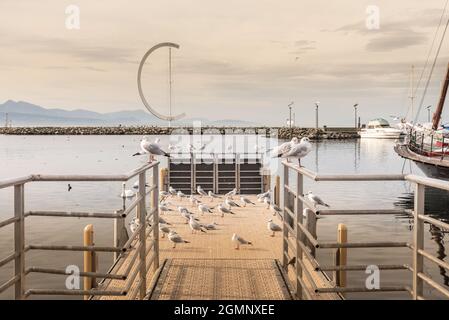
(355, 115)
(317, 104)
(428, 113)
(290, 117)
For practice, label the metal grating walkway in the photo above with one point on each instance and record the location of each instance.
(220, 279)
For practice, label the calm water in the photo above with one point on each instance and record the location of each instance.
(21, 155)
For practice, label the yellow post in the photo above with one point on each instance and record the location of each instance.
(89, 259)
(163, 179)
(277, 191)
(342, 255)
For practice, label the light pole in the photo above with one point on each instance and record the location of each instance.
(317, 104)
(355, 115)
(428, 113)
(290, 117)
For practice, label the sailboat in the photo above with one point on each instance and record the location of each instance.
(428, 145)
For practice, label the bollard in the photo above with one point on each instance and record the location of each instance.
(89, 257)
(163, 179)
(341, 256)
(277, 191)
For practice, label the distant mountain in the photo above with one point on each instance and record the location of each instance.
(22, 113)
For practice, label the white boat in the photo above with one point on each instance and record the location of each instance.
(380, 129)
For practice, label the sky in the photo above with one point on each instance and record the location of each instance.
(245, 59)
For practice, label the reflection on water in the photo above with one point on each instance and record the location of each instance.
(437, 206)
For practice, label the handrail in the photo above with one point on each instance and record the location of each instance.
(306, 241)
(136, 243)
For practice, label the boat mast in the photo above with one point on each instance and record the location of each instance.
(169, 86)
(412, 91)
(437, 115)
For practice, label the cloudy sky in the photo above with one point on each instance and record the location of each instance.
(238, 59)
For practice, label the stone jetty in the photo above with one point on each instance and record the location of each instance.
(280, 132)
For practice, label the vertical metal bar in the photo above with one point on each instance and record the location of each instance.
(284, 221)
(88, 240)
(193, 169)
(311, 227)
(299, 235)
(237, 172)
(418, 241)
(142, 235)
(19, 241)
(155, 202)
(120, 236)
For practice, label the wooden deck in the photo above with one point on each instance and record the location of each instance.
(209, 267)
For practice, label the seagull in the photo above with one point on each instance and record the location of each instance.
(164, 207)
(231, 193)
(133, 224)
(172, 191)
(222, 208)
(212, 195)
(299, 150)
(153, 149)
(273, 227)
(246, 201)
(126, 193)
(164, 193)
(194, 201)
(275, 208)
(163, 221)
(175, 238)
(316, 200)
(200, 191)
(264, 195)
(164, 229)
(239, 241)
(284, 148)
(204, 209)
(195, 226)
(136, 185)
(69, 187)
(231, 203)
(210, 226)
(180, 194)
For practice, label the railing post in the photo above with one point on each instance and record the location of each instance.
(311, 227)
(88, 240)
(19, 241)
(341, 256)
(142, 236)
(299, 236)
(277, 190)
(155, 202)
(163, 179)
(120, 234)
(284, 222)
(418, 241)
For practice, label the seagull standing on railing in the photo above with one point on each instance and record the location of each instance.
(152, 149)
(317, 201)
(284, 148)
(298, 151)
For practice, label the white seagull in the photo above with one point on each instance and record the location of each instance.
(239, 241)
(231, 203)
(246, 201)
(223, 209)
(273, 227)
(231, 193)
(204, 209)
(176, 238)
(284, 148)
(164, 229)
(172, 191)
(317, 201)
(126, 193)
(212, 195)
(195, 226)
(200, 191)
(299, 151)
(152, 149)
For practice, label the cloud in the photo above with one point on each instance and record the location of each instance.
(395, 40)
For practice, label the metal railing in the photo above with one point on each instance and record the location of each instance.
(306, 241)
(425, 143)
(136, 244)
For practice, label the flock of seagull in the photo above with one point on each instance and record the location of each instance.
(295, 149)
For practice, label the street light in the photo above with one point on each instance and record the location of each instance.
(317, 104)
(428, 113)
(290, 117)
(355, 115)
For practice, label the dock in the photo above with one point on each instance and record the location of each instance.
(283, 267)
